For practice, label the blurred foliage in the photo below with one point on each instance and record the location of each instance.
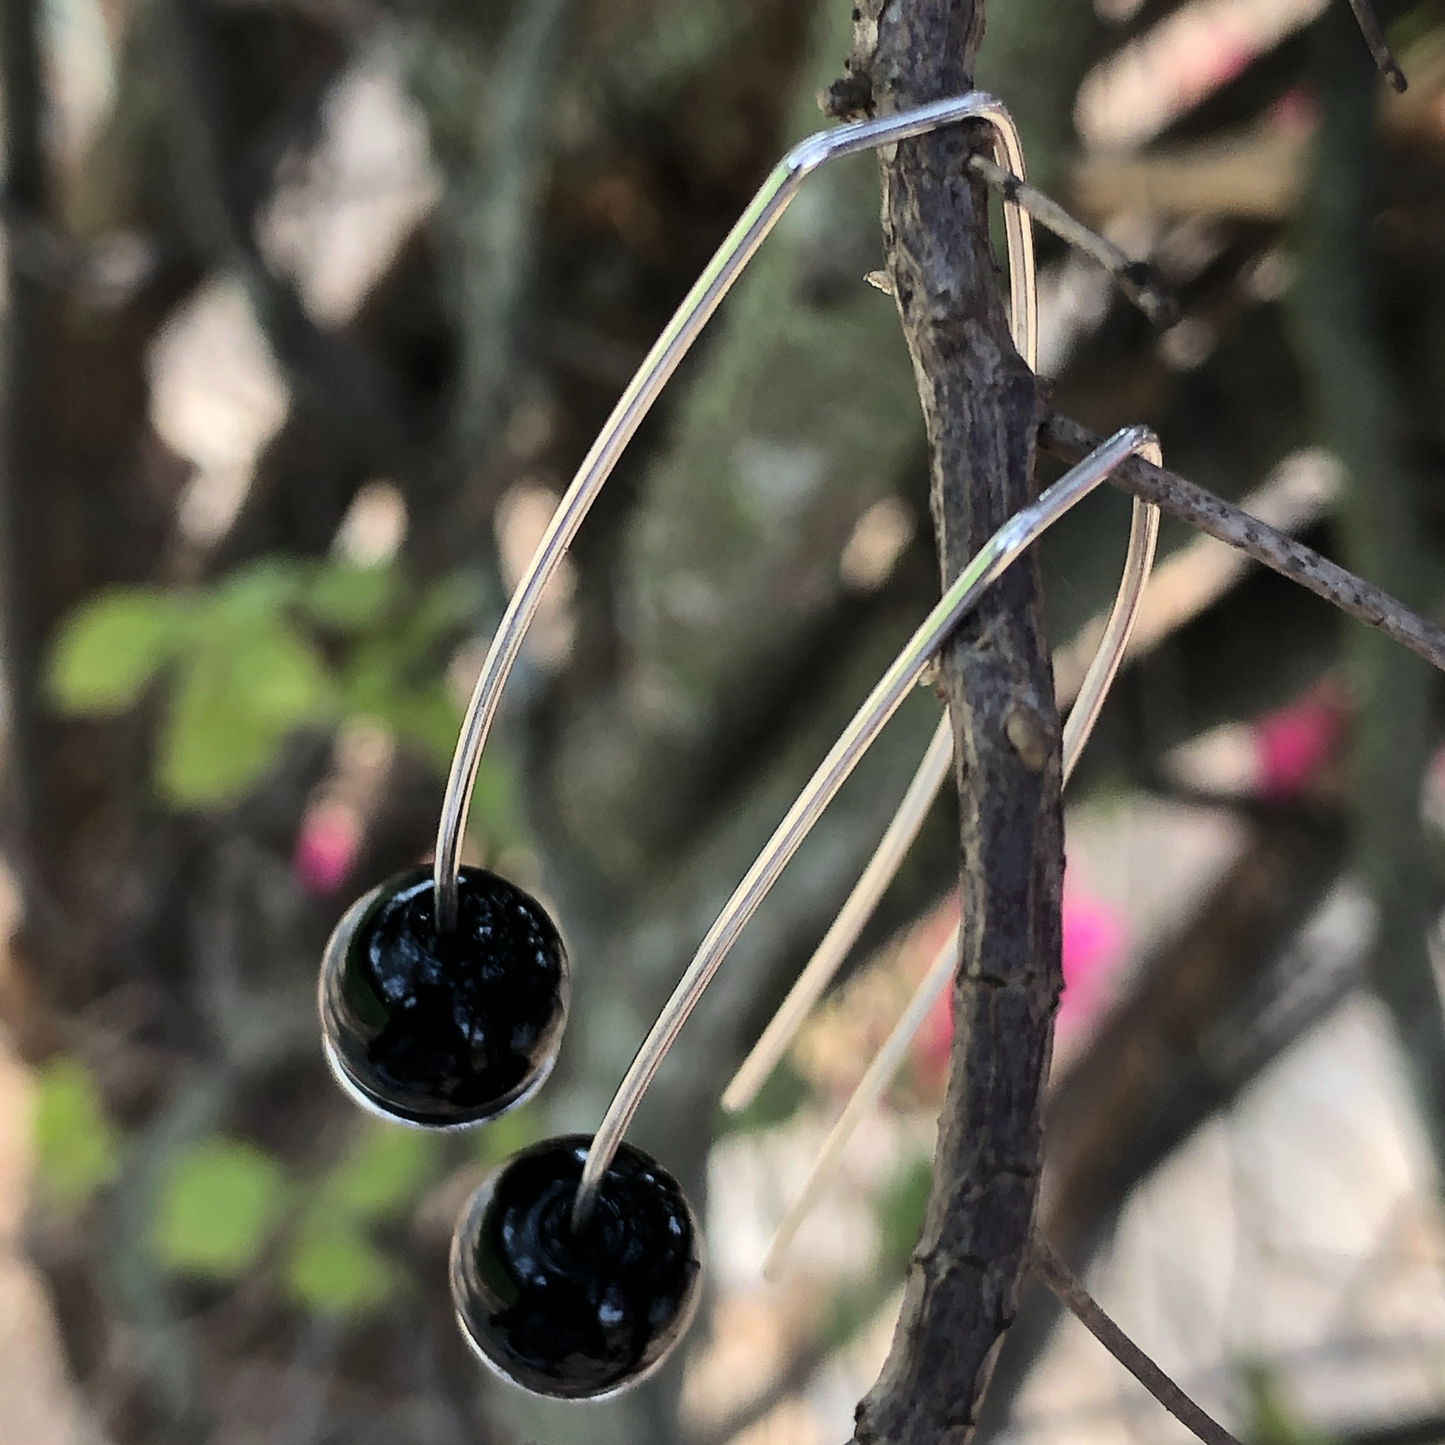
(274, 647)
(334, 1269)
(510, 1134)
(783, 1093)
(384, 1171)
(219, 1201)
(1271, 1419)
(900, 1212)
(333, 1266)
(223, 1201)
(77, 1148)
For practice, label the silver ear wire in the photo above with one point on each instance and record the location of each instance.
(697, 307)
(1143, 535)
(871, 1087)
(992, 560)
(903, 829)
(843, 933)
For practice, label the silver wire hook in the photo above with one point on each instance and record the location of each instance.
(882, 867)
(1143, 536)
(995, 556)
(772, 198)
(843, 932)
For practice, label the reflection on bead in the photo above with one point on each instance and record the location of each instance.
(575, 1316)
(443, 1031)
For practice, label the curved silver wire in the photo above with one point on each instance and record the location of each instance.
(670, 347)
(871, 1087)
(1143, 535)
(843, 932)
(1017, 534)
(898, 838)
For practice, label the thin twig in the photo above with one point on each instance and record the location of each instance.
(1369, 24)
(1136, 279)
(1070, 1292)
(1218, 518)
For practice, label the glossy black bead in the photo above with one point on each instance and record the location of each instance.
(443, 1030)
(575, 1315)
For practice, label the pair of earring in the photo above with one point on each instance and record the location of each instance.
(575, 1267)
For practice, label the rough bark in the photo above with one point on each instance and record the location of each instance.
(979, 405)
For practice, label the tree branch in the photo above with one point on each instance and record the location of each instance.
(1205, 1013)
(1086, 1309)
(1138, 280)
(494, 157)
(978, 401)
(1217, 518)
(22, 96)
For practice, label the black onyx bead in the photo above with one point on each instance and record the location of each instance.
(575, 1315)
(443, 1030)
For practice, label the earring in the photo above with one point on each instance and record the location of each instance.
(585, 1259)
(561, 1232)
(442, 1004)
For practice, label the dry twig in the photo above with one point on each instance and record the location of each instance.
(1136, 279)
(1071, 1293)
(1218, 518)
(1385, 60)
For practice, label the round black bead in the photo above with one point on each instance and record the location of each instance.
(575, 1315)
(443, 1030)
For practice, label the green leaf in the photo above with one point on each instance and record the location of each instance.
(373, 677)
(212, 747)
(110, 647)
(494, 799)
(217, 1205)
(278, 676)
(385, 1171)
(258, 592)
(429, 720)
(77, 1149)
(351, 598)
(509, 1134)
(232, 709)
(900, 1212)
(1273, 1419)
(445, 606)
(335, 1269)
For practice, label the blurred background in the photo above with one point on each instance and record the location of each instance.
(311, 308)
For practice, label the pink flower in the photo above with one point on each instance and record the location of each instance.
(326, 847)
(1295, 111)
(1094, 945)
(1293, 744)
